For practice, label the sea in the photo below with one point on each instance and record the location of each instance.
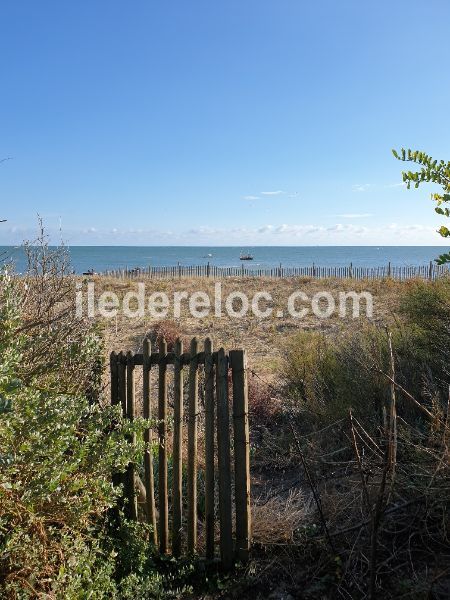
(102, 258)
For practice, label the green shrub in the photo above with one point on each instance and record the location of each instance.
(60, 443)
(58, 450)
(57, 456)
(380, 478)
(328, 375)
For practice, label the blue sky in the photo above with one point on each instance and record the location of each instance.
(233, 122)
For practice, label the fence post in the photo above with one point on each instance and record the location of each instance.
(162, 462)
(122, 397)
(148, 453)
(131, 508)
(223, 445)
(430, 272)
(209, 449)
(114, 372)
(122, 382)
(192, 449)
(177, 494)
(238, 361)
(115, 400)
(389, 269)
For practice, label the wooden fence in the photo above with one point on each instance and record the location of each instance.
(430, 272)
(169, 530)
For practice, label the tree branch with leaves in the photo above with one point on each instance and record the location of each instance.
(431, 171)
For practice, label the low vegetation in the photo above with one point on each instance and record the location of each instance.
(59, 449)
(349, 447)
(364, 433)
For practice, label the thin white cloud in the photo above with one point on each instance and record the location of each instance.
(408, 229)
(267, 234)
(204, 230)
(297, 230)
(361, 187)
(396, 185)
(355, 215)
(347, 228)
(271, 193)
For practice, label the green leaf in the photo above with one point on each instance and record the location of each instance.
(443, 259)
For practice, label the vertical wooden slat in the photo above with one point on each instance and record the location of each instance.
(131, 508)
(223, 446)
(121, 376)
(114, 374)
(122, 397)
(162, 455)
(192, 449)
(238, 361)
(177, 494)
(148, 438)
(115, 400)
(209, 448)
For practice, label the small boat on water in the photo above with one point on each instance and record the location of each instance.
(89, 272)
(246, 257)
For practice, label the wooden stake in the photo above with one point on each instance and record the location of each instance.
(238, 361)
(122, 401)
(162, 462)
(223, 445)
(121, 379)
(209, 449)
(115, 400)
(132, 509)
(114, 372)
(148, 438)
(177, 493)
(192, 449)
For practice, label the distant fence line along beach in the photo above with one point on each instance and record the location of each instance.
(429, 272)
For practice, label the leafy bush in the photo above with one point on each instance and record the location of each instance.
(327, 376)
(58, 449)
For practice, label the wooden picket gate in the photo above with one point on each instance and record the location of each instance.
(217, 366)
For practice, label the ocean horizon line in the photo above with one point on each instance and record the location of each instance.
(240, 246)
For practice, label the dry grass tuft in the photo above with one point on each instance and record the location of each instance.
(276, 519)
(165, 329)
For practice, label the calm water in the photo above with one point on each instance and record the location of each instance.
(101, 258)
